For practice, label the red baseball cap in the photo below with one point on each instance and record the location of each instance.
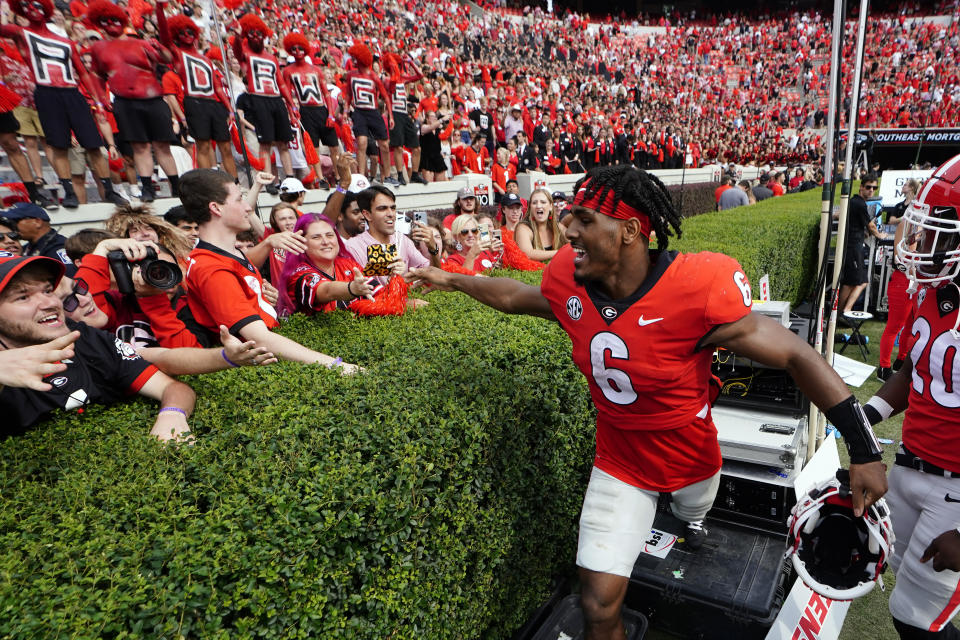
(11, 265)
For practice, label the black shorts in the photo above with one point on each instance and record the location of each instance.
(314, 121)
(269, 117)
(854, 267)
(368, 123)
(206, 119)
(63, 110)
(9, 122)
(146, 120)
(404, 132)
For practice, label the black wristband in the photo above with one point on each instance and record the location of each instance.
(349, 290)
(873, 416)
(852, 423)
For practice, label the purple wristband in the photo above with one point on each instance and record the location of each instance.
(223, 352)
(335, 363)
(177, 409)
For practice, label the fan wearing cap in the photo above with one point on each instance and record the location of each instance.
(102, 370)
(33, 225)
(205, 103)
(644, 325)
(127, 66)
(64, 113)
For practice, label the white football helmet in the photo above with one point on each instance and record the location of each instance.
(930, 246)
(836, 554)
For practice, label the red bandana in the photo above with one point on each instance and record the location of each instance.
(623, 211)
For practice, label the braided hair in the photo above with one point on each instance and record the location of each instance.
(640, 190)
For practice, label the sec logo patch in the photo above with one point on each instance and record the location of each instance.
(574, 308)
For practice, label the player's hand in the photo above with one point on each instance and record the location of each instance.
(868, 482)
(26, 367)
(244, 354)
(430, 277)
(270, 293)
(945, 551)
(288, 241)
(359, 286)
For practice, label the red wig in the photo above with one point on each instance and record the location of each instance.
(180, 22)
(250, 22)
(295, 40)
(361, 53)
(214, 53)
(47, 8)
(100, 9)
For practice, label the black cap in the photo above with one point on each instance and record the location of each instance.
(510, 199)
(22, 210)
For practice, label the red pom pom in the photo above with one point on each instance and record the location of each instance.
(116, 164)
(310, 178)
(77, 9)
(8, 98)
(309, 151)
(214, 53)
(233, 4)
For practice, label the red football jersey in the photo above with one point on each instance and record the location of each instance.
(225, 289)
(930, 423)
(647, 378)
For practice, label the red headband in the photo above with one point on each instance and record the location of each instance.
(604, 205)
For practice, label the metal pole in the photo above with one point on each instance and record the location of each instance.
(218, 30)
(846, 188)
(826, 208)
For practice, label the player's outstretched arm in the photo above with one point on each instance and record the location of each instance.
(760, 338)
(503, 294)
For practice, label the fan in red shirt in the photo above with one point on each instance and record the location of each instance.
(64, 113)
(644, 326)
(206, 105)
(127, 66)
(361, 88)
(317, 108)
(271, 105)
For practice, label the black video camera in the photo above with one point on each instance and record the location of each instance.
(155, 272)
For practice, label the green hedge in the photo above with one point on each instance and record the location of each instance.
(777, 236)
(433, 497)
(694, 199)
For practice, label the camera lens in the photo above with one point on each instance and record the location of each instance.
(161, 274)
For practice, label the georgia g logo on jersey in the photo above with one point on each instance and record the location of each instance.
(364, 93)
(50, 59)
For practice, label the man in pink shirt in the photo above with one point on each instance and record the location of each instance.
(378, 206)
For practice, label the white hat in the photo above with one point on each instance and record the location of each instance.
(292, 185)
(358, 183)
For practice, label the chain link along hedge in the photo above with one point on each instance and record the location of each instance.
(434, 496)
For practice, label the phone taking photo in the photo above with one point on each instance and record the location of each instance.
(420, 217)
(484, 234)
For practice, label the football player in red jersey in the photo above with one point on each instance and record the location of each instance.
(64, 112)
(268, 92)
(644, 326)
(317, 108)
(143, 118)
(924, 496)
(205, 103)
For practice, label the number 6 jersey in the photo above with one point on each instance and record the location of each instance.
(648, 379)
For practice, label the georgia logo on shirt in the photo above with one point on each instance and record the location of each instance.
(126, 351)
(574, 308)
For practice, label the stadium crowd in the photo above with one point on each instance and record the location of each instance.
(423, 91)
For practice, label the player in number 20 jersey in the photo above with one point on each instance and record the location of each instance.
(924, 494)
(643, 327)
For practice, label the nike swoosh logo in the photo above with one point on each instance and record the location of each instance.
(644, 323)
(947, 498)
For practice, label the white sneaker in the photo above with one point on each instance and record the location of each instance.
(119, 188)
(135, 190)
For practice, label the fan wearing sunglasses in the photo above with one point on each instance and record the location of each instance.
(10, 238)
(854, 277)
(471, 252)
